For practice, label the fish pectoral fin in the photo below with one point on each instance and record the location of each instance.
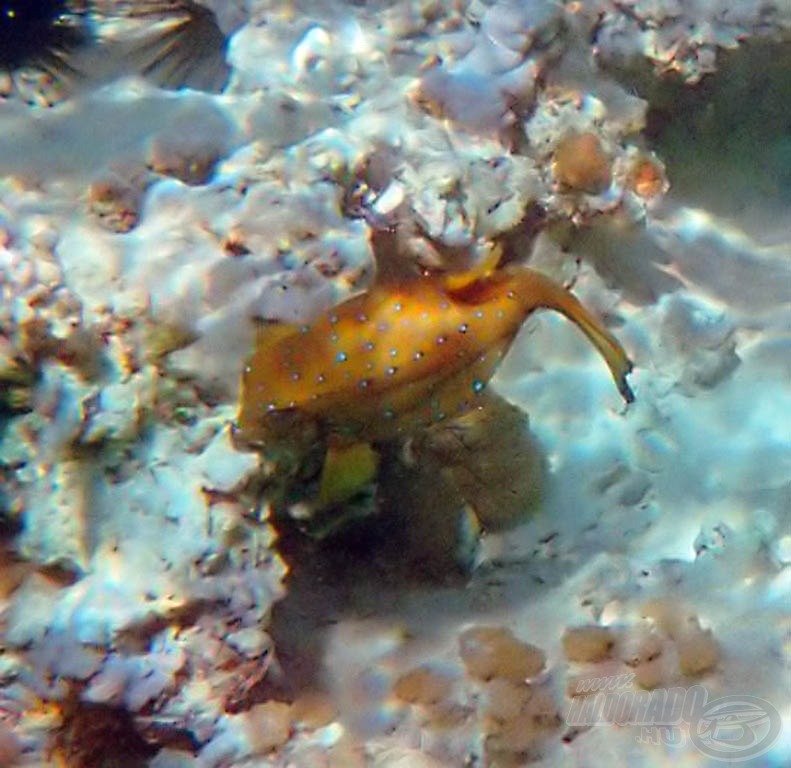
(347, 470)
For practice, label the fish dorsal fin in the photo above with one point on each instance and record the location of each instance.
(458, 282)
(394, 268)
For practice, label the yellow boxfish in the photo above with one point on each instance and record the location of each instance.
(402, 356)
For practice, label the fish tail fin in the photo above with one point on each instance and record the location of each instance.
(537, 291)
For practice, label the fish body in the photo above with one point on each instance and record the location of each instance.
(403, 356)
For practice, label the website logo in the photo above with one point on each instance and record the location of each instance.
(731, 728)
(736, 728)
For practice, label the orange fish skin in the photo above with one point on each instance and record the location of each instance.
(402, 357)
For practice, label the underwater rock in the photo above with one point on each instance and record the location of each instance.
(684, 38)
(115, 203)
(422, 686)
(488, 85)
(65, 631)
(587, 643)
(580, 164)
(493, 652)
(656, 653)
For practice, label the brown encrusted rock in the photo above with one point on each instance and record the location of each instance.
(115, 204)
(581, 164)
(643, 651)
(650, 674)
(314, 710)
(489, 652)
(698, 652)
(588, 644)
(525, 732)
(646, 177)
(505, 699)
(268, 725)
(423, 686)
